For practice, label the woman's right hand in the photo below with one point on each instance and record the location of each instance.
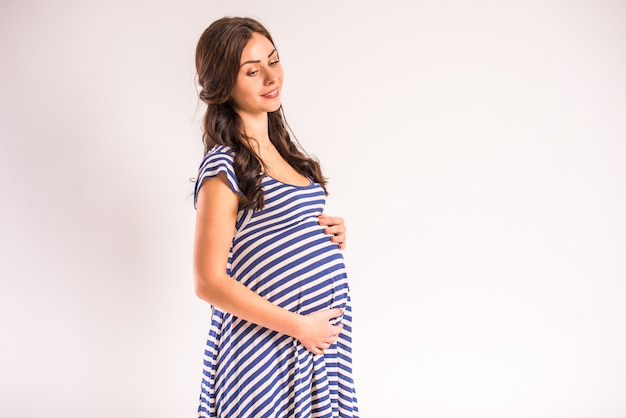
(317, 333)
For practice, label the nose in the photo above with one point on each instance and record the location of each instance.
(271, 76)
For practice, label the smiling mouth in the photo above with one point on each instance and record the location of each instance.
(271, 94)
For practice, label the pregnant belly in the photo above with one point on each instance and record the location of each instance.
(299, 269)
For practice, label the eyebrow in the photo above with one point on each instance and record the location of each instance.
(257, 61)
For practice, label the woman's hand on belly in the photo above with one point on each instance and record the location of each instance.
(334, 226)
(316, 332)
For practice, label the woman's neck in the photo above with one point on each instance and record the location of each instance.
(256, 129)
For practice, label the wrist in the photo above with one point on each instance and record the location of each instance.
(295, 325)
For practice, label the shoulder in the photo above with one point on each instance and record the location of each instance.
(218, 156)
(219, 160)
(219, 151)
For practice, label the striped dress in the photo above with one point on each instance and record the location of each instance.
(281, 253)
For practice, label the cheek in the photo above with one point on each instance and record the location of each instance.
(239, 93)
(239, 102)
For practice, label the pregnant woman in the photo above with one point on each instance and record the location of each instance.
(266, 258)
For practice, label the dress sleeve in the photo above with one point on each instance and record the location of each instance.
(218, 160)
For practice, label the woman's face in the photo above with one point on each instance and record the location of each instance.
(260, 78)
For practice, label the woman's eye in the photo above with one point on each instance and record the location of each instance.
(273, 63)
(252, 73)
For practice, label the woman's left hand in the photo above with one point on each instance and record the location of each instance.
(334, 226)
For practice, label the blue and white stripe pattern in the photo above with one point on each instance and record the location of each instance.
(282, 254)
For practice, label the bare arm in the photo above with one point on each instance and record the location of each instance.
(216, 211)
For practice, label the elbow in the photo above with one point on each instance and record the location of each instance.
(199, 289)
(202, 291)
(205, 287)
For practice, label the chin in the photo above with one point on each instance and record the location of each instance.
(275, 108)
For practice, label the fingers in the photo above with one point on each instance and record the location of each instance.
(331, 339)
(335, 224)
(335, 227)
(330, 220)
(320, 334)
(325, 345)
(334, 313)
(338, 235)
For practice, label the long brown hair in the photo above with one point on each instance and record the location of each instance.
(218, 56)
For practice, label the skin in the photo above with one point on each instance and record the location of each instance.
(216, 210)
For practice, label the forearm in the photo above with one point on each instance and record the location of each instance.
(235, 298)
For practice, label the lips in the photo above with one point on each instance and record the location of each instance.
(272, 94)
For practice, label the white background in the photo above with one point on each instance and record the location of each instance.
(476, 149)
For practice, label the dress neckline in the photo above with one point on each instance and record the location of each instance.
(311, 182)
